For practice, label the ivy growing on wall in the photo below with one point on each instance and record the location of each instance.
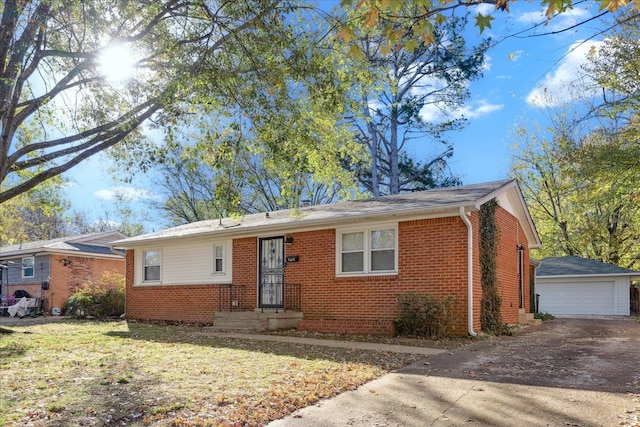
(491, 320)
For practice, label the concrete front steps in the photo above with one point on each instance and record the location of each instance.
(528, 319)
(258, 320)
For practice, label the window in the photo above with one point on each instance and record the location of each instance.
(152, 262)
(383, 250)
(218, 258)
(368, 251)
(28, 269)
(353, 252)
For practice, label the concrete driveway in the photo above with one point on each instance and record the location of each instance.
(567, 372)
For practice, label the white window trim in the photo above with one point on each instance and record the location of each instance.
(222, 272)
(366, 230)
(33, 267)
(143, 265)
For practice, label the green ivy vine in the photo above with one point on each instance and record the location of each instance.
(491, 320)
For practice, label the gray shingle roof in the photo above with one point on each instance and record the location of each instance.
(81, 243)
(578, 266)
(442, 199)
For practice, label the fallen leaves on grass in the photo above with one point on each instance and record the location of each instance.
(118, 373)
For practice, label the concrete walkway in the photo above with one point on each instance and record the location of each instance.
(390, 348)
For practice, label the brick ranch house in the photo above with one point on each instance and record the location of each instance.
(334, 268)
(52, 270)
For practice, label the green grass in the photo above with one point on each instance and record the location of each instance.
(119, 373)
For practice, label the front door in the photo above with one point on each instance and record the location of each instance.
(271, 274)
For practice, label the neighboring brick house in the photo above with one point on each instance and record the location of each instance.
(53, 269)
(335, 268)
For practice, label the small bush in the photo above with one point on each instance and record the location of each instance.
(424, 316)
(543, 316)
(103, 298)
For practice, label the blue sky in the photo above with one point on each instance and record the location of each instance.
(519, 71)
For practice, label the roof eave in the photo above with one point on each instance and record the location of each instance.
(450, 210)
(292, 225)
(51, 251)
(632, 276)
(532, 236)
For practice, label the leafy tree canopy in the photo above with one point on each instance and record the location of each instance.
(427, 15)
(52, 75)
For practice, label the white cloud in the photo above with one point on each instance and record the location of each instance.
(530, 18)
(485, 9)
(431, 113)
(479, 108)
(487, 63)
(568, 19)
(563, 84)
(559, 22)
(473, 110)
(129, 194)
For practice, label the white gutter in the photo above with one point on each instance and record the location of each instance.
(463, 215)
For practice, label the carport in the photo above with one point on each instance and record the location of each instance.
(573, 285)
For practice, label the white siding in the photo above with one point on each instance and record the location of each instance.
(588, 296)
(187, 263)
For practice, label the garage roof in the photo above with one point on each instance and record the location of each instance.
(568, 266)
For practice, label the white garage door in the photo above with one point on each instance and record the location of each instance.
(586, 298)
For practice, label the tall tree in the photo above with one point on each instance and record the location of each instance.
(52, 74)
(594, 215)
(193, 189)
(543, 165)
(38, 214)
(266, 145)
(406, 93)
(613, 74)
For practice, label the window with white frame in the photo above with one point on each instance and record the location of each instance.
(218, 258)
(371, 250)
(28, 267)
(152, 264)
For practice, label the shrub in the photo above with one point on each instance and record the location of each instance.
(103, 298)
(424, 316)
(543, 316)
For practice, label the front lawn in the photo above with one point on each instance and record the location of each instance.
(125, 373)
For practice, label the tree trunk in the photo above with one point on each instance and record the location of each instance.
(394, 172)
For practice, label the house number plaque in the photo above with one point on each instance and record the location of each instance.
(293, 258)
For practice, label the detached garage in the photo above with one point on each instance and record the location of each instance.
(578, 286)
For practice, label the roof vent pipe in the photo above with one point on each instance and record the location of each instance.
(466, 221)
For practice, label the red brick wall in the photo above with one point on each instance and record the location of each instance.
(432, 259)
(65, 280)
(182, 303)
(193, 303)
(511, 235)
(245, 268)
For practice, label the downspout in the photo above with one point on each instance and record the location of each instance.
(469, 272)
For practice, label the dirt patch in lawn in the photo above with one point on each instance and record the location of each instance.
(125, 373)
